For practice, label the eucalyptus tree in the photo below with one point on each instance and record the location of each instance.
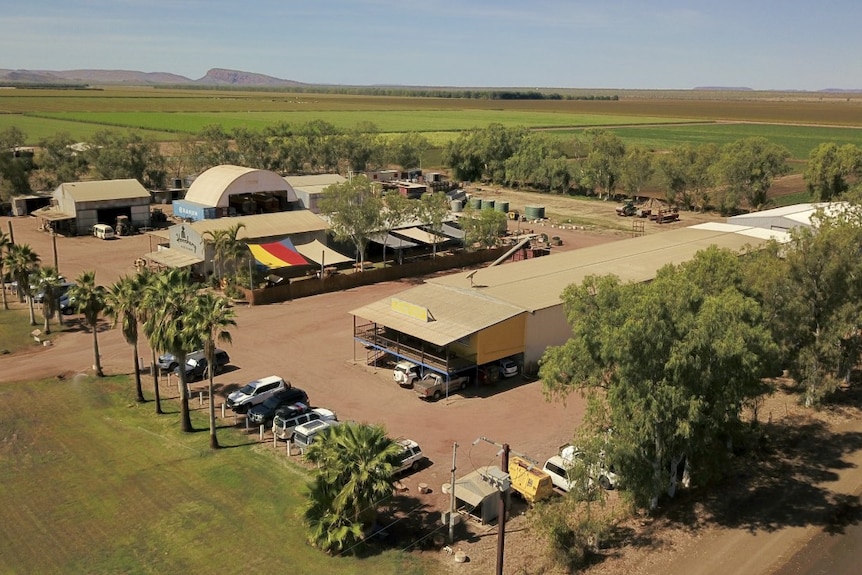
(123, 304)
(397, 210)
(602, 163)
(811, 291)
(47, 281)
(356, 463)
(212, 316)
(88, 299)
(433, 208)
(746, 169)
(59, 161)
(22, 261)
(829, 167)
(636, 169)
(171, 295)
(354, 212)
(666, 365)
(406, 149)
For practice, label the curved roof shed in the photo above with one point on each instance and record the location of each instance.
(214, 187)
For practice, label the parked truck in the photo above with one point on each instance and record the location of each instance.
(435, 386)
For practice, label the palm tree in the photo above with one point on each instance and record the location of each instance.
(227, 247)
(122, 302)
(145, 278)
(212, 316)
(89, 299)
(48, 282)
(5, 244)
(356, 463)
(170, 296)
(216, 239)
(22, 260)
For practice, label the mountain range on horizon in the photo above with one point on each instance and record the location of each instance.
(213, 77)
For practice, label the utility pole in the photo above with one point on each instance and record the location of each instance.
(452, 497)
(501, 535)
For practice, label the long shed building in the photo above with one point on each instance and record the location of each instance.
(456, 323)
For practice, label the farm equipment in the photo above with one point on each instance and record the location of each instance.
(627, 209)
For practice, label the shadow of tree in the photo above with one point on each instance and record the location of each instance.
(776, 483)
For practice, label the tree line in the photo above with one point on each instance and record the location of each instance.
(598, 162)
(693, 176)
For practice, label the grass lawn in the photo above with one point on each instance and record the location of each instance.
(95, 483)
(15, 326)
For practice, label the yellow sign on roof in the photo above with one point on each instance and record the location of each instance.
(410, 309)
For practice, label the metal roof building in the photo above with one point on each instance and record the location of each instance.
(785, 218)
(513, 309)
(187, 245)
(245, 190)
(309, 188)
(78, 206)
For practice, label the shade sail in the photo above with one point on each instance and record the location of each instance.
(277, 254)
(320, 254)
(393, 242)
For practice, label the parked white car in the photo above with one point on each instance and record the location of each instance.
(560, 466)
(255, 392)
(405, 373)
(411, 456)
(508, 367)
(287, 419)
(305, 434)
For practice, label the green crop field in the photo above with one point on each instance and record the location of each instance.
(657, 120)
(95, 483)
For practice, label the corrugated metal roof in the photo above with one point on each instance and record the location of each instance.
(209, 189)
(447, 307)
(130, 189)
(265, 225)
(538, 283)
(173, 258)
(314, 184)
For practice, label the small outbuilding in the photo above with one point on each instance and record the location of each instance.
(786, 218)
(476, 495)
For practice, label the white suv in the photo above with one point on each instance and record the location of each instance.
(304, 434)
(411, 456)
(288, 419)
(405, 373)
(255, 392)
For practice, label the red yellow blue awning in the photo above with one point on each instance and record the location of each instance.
(277, 254)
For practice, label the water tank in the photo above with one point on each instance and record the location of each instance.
(502, 207)
(534, 212)
(476, 203)
(456, 205)
(487, 204)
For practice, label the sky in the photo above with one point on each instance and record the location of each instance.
(622, 44)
